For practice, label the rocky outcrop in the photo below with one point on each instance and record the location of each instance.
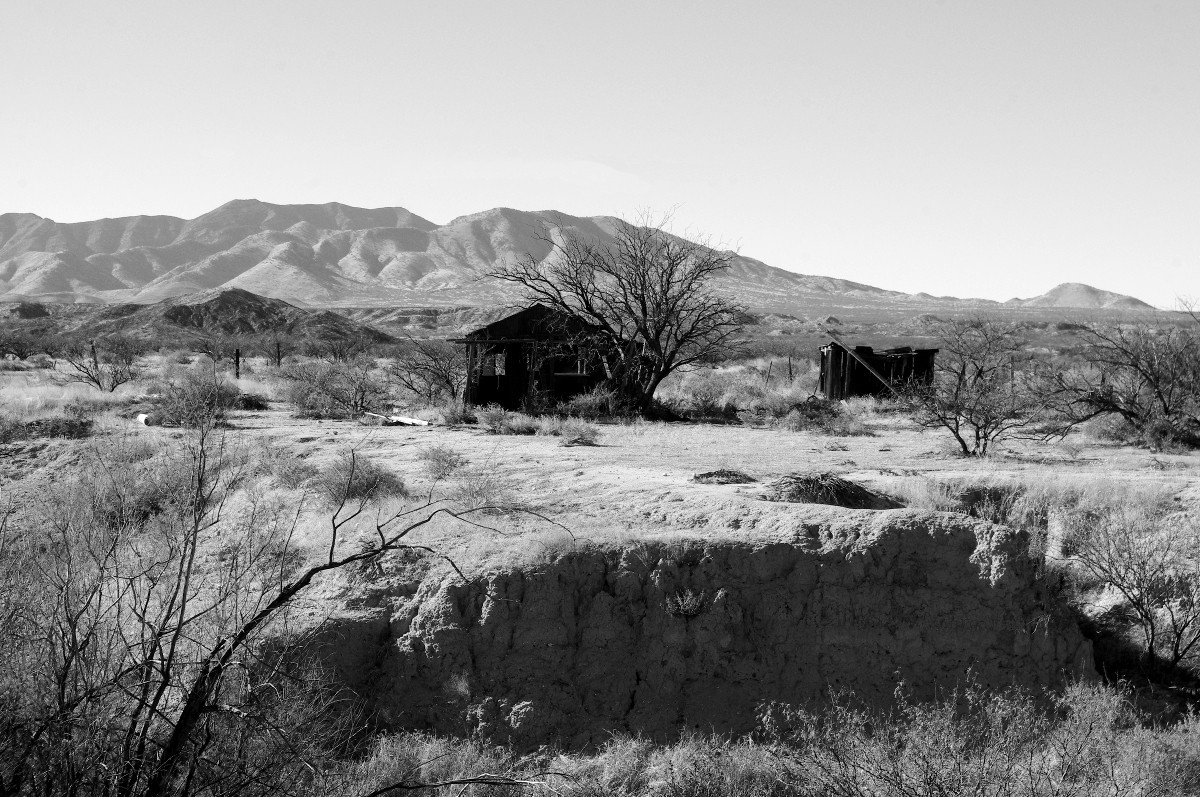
(694, 632)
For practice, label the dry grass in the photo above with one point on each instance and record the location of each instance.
(354, 478)
(825, 488)
(1091, 741)
(29, 396)
(441, 462)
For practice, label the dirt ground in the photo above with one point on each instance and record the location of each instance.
(638, 479)
(641, 466)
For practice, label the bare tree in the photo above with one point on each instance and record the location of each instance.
(431, 369)
(20, 343)
(106, 366)
(149, 651)
(217, 346)
(342, 389)
(1156, 569)
(986, 387)
(1146, 372)
(339, 348)
(274, 346)
(645, 300)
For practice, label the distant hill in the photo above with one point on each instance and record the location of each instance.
(334, 255)
(229, 311)
(1078, 295)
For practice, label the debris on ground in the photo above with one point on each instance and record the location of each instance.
(826, 488)
(723, 476)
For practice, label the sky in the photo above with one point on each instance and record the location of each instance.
(982, 149)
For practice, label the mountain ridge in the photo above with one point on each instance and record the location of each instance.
(339, 255)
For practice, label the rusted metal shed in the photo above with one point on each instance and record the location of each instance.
(535, 353)
(862, 371)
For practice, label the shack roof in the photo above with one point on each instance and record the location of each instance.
(899, 351)
(534, 323)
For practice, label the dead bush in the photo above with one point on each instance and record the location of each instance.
(498, 420)
(285, 468)
(577, 432)
(599, 402)
(570, 431)
(483, 487)
(251, 402)
(355, 479)
(686, 603)
(441, 462)
(11, 429)
(819, 416)
(193, 397)
(826, 488)
(338, 389)
(723, 476)
(67, 426)
(455, 413)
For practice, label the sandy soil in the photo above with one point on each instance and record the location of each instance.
(638, 479)
(640, 465)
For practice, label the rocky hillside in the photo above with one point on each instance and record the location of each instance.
(696, 631)
(336, 255)
(212, 312)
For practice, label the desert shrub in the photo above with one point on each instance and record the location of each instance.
(550, 425)
(1154, 564)
(355, 479)
(193, 397)
(455, 413)
(338, 389)
(577, 432)
(68, 426)
(498, 420)
(429, 369)
(441, 461)
(251, 402)
(819, 416)
(124, 485)
(1146, 372)
(517, 423)
(976, 741)
(846, 425)
(11, 429)
(483, 487)
(285, 468)
(825, 488)
(922, 492)
(686, 603)
(412, 758)
(295, 474)
(571, 431)
(599, 402)
(988, 387)
(704, 394)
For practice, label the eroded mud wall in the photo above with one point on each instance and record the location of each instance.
(689, 632)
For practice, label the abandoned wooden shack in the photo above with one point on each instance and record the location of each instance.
(862, 371)
(535, 355)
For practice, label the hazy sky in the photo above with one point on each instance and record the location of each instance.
(989, 149)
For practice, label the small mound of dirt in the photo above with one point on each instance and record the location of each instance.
(826, 488)
(723, 477)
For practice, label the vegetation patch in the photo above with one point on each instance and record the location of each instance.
(723, 477)
(355, 479)
(826, 488)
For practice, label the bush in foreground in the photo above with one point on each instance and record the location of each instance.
(1088, 741)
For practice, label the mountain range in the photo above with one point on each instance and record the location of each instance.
(334, 255)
